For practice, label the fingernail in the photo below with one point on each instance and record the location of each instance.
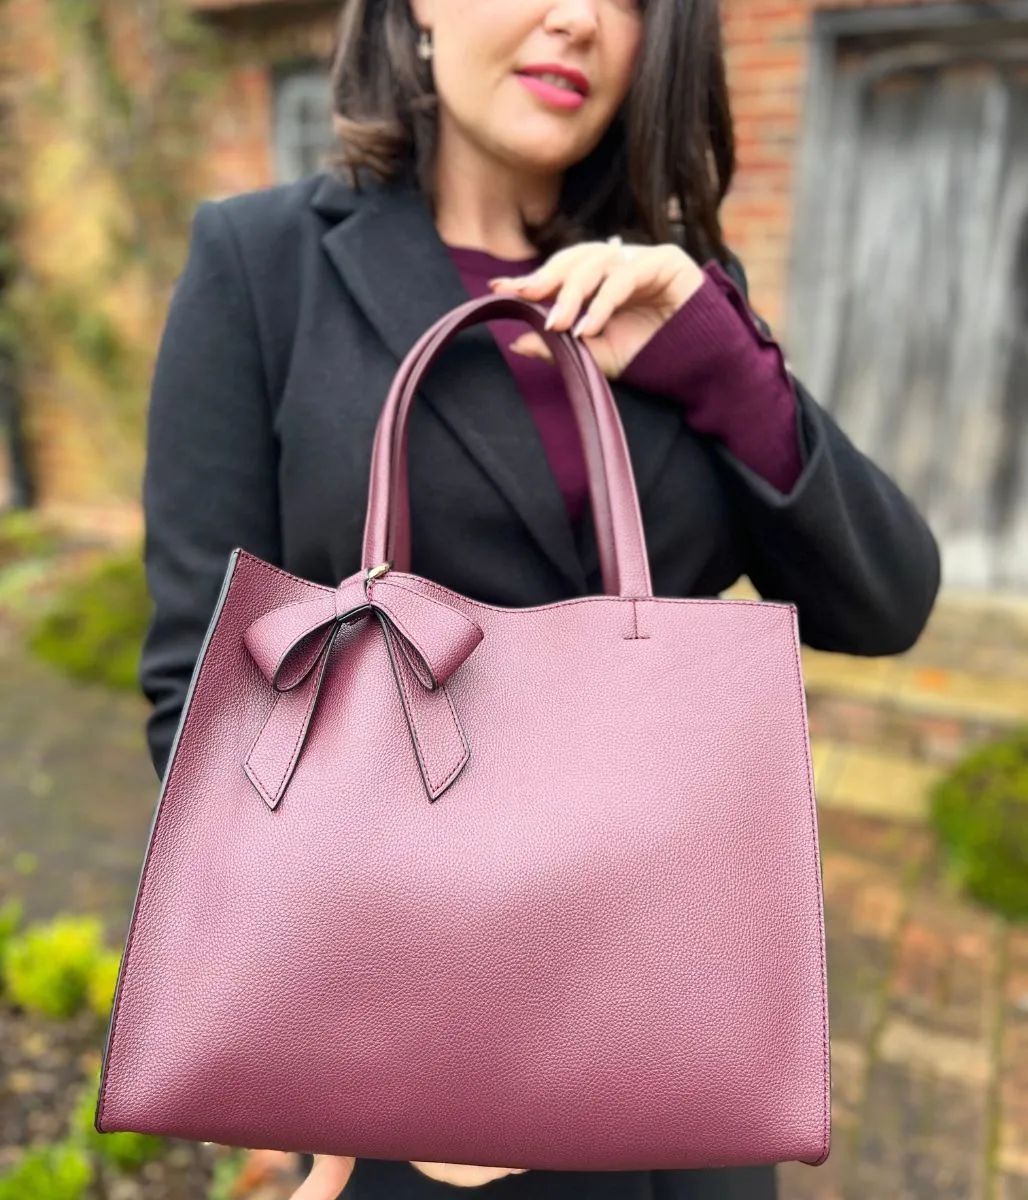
(551, 317)
(578, 329)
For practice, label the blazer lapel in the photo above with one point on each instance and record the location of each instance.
(385, 246)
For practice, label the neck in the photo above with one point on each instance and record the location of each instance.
(481, 204)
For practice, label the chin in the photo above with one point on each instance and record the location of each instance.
(542, 159)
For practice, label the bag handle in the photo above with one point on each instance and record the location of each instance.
(401, 480)
(595, 469)
(619, 530)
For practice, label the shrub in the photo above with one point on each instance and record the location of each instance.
(980, 811)
(226, 1175)
(48, 968)
(11, 913)
(94, 628)
(126, 1151)
(58, 1172)
(25, 535)
(103, 980)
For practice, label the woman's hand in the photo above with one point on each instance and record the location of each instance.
(627, 293)
(461, 1176)
(328, 1177)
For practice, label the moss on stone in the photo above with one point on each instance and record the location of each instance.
(26, 535)
(95, 626)
(980, 812)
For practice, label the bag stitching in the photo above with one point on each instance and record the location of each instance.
(826, 1103)
(435, 789)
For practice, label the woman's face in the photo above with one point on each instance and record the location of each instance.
(532, 84)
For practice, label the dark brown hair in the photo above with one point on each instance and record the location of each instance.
(659, 173)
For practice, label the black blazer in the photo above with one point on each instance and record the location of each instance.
(283, 335)
(285, 330)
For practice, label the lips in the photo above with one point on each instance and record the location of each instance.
(558, 76)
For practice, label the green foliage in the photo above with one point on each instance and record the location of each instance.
(980, 811)
(58, 1172)
(225, 1176)
(48, 967)
(125, 1151)
(25, 535)
(102, 982)
(11, 914)
(94, 630)
(26, 863)
(76, 319)
(148, 114)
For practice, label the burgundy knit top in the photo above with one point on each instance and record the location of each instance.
(710, 357)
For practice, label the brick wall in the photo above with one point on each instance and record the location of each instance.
(768, 46)
(261, 37)
(83, 456)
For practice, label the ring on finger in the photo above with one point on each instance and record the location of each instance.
(627, 252)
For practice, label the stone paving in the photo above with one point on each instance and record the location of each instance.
(929, 1014)
(929, 995)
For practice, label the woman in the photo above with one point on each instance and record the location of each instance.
(532, 147)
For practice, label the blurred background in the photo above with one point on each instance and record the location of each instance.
(881, 210)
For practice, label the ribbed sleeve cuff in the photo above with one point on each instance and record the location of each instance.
(729, 375)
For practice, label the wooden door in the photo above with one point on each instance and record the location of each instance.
(909, 315)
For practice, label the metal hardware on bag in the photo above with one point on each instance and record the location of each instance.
(378, 572)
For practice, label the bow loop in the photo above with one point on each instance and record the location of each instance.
(427, 640)
(440, 637)
(287, 643)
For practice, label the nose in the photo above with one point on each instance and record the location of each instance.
(575, 19)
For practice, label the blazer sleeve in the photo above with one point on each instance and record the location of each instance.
(210, 480)
(845, 545)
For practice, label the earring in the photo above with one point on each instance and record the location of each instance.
(425, 46)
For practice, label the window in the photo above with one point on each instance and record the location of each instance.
(302, 123)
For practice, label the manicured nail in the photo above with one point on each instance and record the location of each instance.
(580, 327)
(551, 317)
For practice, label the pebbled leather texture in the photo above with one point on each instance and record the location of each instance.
(598, 946)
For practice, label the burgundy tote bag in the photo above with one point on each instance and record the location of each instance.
(438, 881)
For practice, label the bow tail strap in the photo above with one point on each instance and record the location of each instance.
(439, 743)
(273, 757)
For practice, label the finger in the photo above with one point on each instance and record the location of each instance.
(577, 289)
(603, 356)
(615, 292)
(328, 1178)
(544, 282)
(532, 345)
(536, 286)
(457, 1175)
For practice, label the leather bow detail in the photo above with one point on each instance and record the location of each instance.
(427, 641)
